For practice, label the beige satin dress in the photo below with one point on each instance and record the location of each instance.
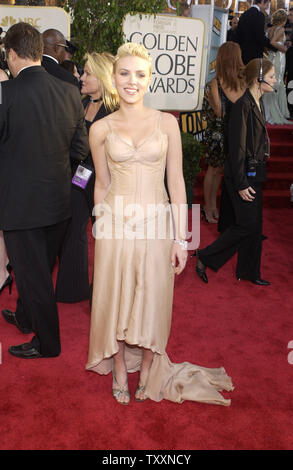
(133, 277)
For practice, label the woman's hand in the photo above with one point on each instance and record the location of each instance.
(3, 76)
(247, 194)
(178, 254)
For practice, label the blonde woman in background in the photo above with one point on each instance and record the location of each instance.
(275, 104)
(134, 276)
(99, 100)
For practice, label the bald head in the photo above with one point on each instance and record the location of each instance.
(54, 44)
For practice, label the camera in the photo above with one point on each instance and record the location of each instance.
(251, 167)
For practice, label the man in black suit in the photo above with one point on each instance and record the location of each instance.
(55, 46)
(232, 32)
(41, 127)
(251, 31)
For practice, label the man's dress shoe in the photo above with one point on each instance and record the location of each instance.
(261, 282)
(258, 282)
(10, 317)
(25, 351)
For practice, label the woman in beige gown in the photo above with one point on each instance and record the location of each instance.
(275, 104)
(135, 265)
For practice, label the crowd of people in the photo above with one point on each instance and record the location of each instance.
(67, 161)
(244, 173)
(274, 39)
(60, 157)
(247, 39)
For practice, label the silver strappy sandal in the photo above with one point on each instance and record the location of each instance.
(118, 391)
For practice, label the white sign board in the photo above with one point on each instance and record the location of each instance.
(175, 45)
(41, 18)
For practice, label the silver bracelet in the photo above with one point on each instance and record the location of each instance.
(182, 243)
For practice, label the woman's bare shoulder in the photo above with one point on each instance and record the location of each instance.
(169, 123)
(168, 118)
(100, 127)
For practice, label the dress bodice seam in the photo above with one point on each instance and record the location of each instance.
(136, 147)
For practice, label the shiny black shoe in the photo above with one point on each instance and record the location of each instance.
(258, 282)
(261, 282)
(25, 351)
(200, 268)
(7, 283)
(10, 317)
(9, 268)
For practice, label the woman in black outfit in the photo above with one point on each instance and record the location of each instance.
(100, 99)
(244, 173)
(220, 93)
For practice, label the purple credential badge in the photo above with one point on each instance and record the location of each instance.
(81, 176)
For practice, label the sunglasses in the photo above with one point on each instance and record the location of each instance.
(65, 46)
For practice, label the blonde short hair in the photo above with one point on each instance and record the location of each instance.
(135, 50)
(101, 65)
(279, 16)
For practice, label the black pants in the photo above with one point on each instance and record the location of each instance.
(244, 236)
(226, 213)
(72, 283)
(32, 254)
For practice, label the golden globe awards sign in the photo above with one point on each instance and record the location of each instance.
(175, 45)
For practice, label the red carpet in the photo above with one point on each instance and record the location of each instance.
(280, 166)
(55, 404)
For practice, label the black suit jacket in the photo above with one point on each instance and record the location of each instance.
(41, 126)
(247, 138)
(232, 35)
(251, 35)
(57, 71)
(89, 190)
